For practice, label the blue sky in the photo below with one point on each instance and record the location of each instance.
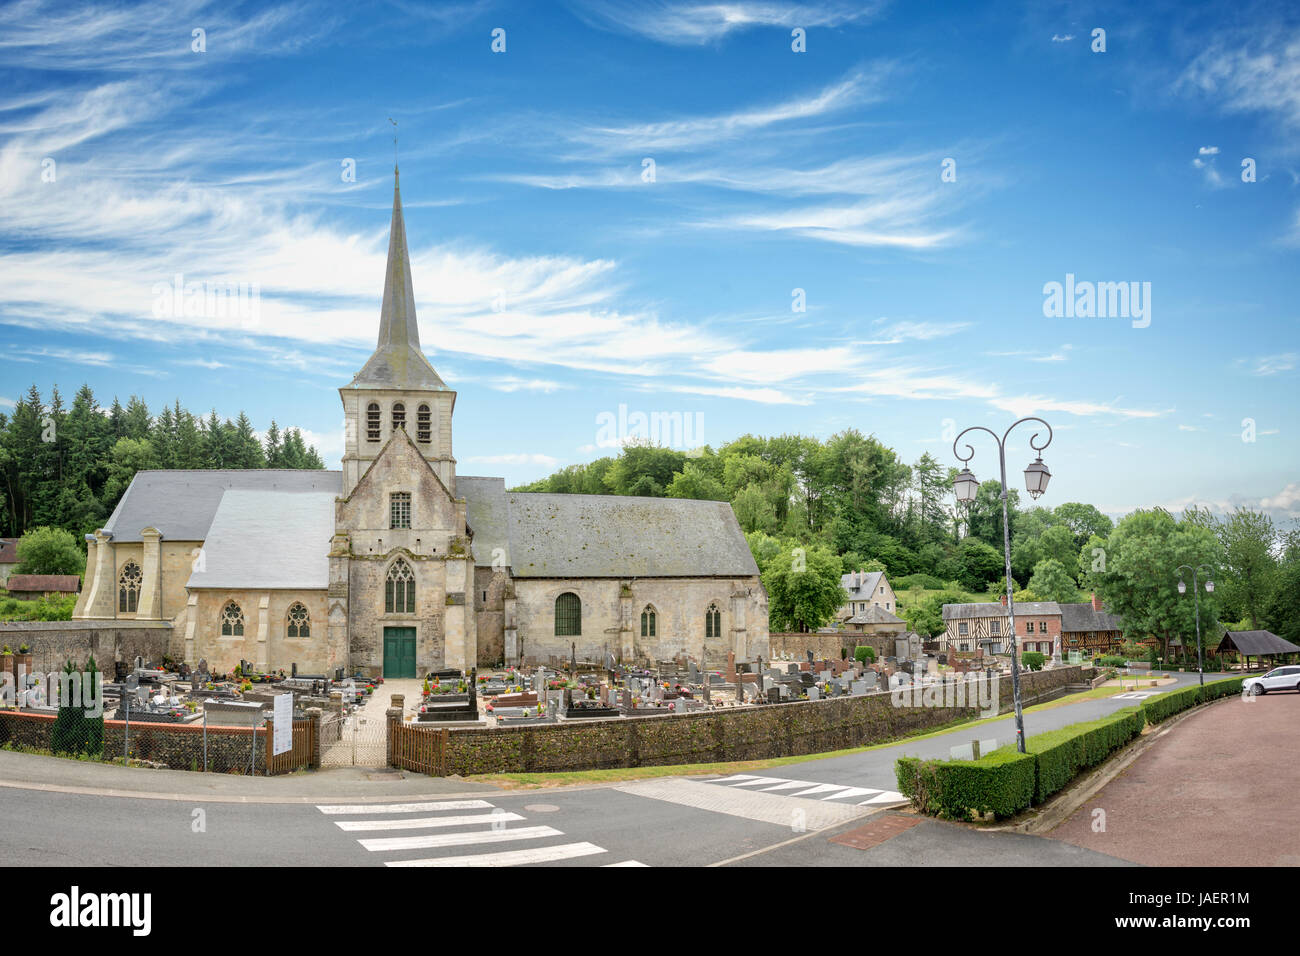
(555, 283)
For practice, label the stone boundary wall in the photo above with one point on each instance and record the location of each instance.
(54, 642)
(178, 746)
(757, 733)
(823, 646)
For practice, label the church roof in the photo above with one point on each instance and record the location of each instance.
(397, 362)
(603, 536)
(181, 504)
(267, 539)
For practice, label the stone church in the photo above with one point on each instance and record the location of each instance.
(395, 565)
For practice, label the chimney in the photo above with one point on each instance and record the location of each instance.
(1004, 600)
(1096, 604)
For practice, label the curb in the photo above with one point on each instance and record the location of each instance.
(1064, 805)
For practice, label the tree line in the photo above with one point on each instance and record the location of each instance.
(813, 510)
(67, 467)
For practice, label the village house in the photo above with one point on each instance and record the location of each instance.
(1042, 626)
(866, 589)
(8, 557)
(29, 587)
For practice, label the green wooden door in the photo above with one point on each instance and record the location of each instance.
(399, 652)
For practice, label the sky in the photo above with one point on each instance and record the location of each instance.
(767, 217)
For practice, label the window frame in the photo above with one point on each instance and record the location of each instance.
(302, 624)
(399, 510)
(128, 593)
(374, 422)
(399, 587)
(568, 618)
(423, 424)
(235, 623)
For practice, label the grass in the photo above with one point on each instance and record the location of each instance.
(533, 781)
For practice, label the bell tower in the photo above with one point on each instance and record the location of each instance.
(397, 387)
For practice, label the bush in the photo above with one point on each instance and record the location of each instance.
(1061, 754)
(927, 582)
(1033, 660)
(1175, 701)
(1110, 660)
(864, 654)
(1001, 783)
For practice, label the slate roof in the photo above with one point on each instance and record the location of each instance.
(397, 362)
(44, 583)
(8, 550)
(1082, 617)
(1256, 643)
(604, 536)
(874, 615)
(267, 539)
(956, 612)
(870, 582)
(181, 504)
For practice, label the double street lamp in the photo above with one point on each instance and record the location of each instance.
(1196, 594)
(1036, 478)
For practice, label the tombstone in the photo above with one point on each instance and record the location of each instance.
(774, 695)
(792, 668)
(860, 687)
(783, 691)
(707, 696)
(827, 675)
(626, 700)
(694, 673)
(814, 693)
(810, 657)
(869, 678)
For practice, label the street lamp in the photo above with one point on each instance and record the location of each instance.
(1036, 477)
(1196, 594)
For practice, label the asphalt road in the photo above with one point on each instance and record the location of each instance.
(789, 816)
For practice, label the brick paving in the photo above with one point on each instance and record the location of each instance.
(1218, 789)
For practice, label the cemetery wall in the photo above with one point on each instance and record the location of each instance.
(751, 733)
(178, 747)
(54, 642)
(823, 646)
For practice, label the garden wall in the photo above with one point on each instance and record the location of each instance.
(750, 733)
(823, 646)
(54, 642)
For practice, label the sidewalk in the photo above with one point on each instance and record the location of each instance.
(357, 784)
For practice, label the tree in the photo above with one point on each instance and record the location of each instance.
(927, 617)
(1084, 521)
(980, 563)
(803, 588)
(48, 550)
(1052, 582)
(1057, 544)
(693, 481)
(1282, 613)
(1247, 538)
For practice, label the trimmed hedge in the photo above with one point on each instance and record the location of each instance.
(1175, 701)
(1060, 755)
(1001, 783)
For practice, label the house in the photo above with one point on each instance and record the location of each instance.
(1042, 626)
(875, 627)
(29, 587)
(8, 557)
(867, 589)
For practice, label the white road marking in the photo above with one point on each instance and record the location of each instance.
(821, 788)
(627, 863)
(357, 808)
(420, 823)
(548, 854)
(430, 842)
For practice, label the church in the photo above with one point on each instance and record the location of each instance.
(395, 565)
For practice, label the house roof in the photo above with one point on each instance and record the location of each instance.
(44, 583)
(875, 615)
(952, 612)
(267, 539)
(397, 362)
(603, 536)
(870, 581)
(181, 504)
(8, 550)
(1256, 643)
(1082, 617)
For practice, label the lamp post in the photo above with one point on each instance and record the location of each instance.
(1196, 594)
(1036, 477)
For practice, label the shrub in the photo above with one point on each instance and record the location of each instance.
(1110, 660)
(927, 582)
(1033, 660)
(1175, 701)
(1001, 783)
(864, 654)
(1061, 754)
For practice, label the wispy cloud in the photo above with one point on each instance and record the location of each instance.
(693, 24)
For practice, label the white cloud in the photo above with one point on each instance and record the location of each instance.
(693, 24)
(514, 459)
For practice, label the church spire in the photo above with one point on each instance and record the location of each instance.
(398, 361)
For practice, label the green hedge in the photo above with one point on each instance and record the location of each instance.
(1060, 755)
(1175, 701)
(1001, 783)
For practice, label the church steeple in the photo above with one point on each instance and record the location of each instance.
(398, 362)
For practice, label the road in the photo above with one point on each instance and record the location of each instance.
(790, 816)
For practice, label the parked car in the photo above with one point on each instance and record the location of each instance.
(1279, 678)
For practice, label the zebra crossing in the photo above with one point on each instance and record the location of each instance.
(454, 826)
(812, 790)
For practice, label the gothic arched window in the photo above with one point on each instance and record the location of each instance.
(568, 615)
(399, 416)
(128, 588)
(299, 620)
(232, 621)
(399, 589)
(713, 622)
(372, 422)
(423, 425)
(648, 621)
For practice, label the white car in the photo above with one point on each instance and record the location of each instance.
(1279, 678)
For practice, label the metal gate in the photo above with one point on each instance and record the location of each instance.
(358, 739)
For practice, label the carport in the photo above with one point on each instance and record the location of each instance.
(1257, 644)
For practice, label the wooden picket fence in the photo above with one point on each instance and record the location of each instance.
(423, 751)
(298, 757)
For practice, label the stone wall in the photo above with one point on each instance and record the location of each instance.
(265, 641)
(823, 646)
(752, 733)
(54, 642)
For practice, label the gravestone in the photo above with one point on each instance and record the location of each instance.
(814, 693)
(774, 695)
(858, 688)
(827, 675)
(869, 678)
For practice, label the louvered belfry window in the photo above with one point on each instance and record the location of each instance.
(372, 422)
(423, 425)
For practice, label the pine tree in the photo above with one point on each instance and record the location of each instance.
(274, 448)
